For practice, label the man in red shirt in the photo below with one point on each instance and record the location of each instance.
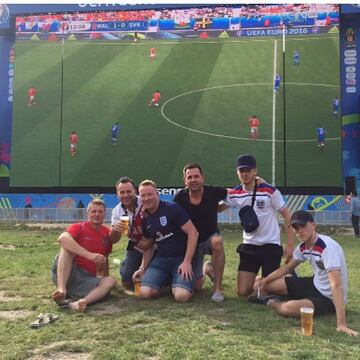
(81, 268)
(31, 96)
(73, 142)
(155, 98)
(254, 123)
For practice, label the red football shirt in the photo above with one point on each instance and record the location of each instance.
(95, 241)
(156, 96)
(254, 122)
(32, 92)
(73, 139)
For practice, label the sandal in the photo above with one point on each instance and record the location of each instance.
(65, 304)
(43, 319)
(60, 300)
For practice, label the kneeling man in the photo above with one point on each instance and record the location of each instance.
(168, 226)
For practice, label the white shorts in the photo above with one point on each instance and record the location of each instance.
(73, 146)
(32, 97)
(253, 130)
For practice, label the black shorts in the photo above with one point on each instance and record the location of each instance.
(303, 288)
(253, 257)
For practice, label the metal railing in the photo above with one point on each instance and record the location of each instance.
(64, 215)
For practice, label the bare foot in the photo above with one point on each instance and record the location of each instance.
(78, 306)
(209, 270)
(59, 297)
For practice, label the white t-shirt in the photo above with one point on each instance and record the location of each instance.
(268, 200)
(135, 224)
(326, 255)
(119, 211)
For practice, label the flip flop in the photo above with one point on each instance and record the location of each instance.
(43, 319)
(60, 300)
(64, 305)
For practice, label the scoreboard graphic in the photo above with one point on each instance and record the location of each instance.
(350, 89)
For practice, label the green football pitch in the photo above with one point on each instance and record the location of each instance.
(209, 90)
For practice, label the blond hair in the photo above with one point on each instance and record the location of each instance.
(96, 202)
(148, 182)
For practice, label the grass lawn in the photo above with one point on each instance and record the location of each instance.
(125, 327)
(209, 90)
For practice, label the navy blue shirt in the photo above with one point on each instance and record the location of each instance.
(164, 226)
(203, 215)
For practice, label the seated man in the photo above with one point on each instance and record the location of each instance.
(84, 249)
(169, 226)
(325, 292)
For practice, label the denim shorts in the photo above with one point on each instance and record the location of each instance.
(130, 264)
(80, 282)
(164, 270)
(203, 248)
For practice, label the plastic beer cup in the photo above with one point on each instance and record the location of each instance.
(307, 320)
(125, 220)
(137, 284)
(100, 269)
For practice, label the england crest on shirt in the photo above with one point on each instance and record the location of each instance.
(320, 265)
(260, 204)
(163, 221)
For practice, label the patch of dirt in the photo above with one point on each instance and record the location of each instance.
(44, 226)
(217, 311)
(213, 330)
(5, 298)
(49, 352)
(62, 355)
(105, 309)
(225, 323)
(15, 314)
(7, 247)
(345, 231)
(54, 346)
(334, 230)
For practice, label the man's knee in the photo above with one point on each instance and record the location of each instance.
(148, 292)
(181, 295)
(63, 253)
(108, 282)
(217, 243)
(287, 309)
(243, 291)
(244, 288)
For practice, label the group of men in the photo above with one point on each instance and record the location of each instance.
(169, 240)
